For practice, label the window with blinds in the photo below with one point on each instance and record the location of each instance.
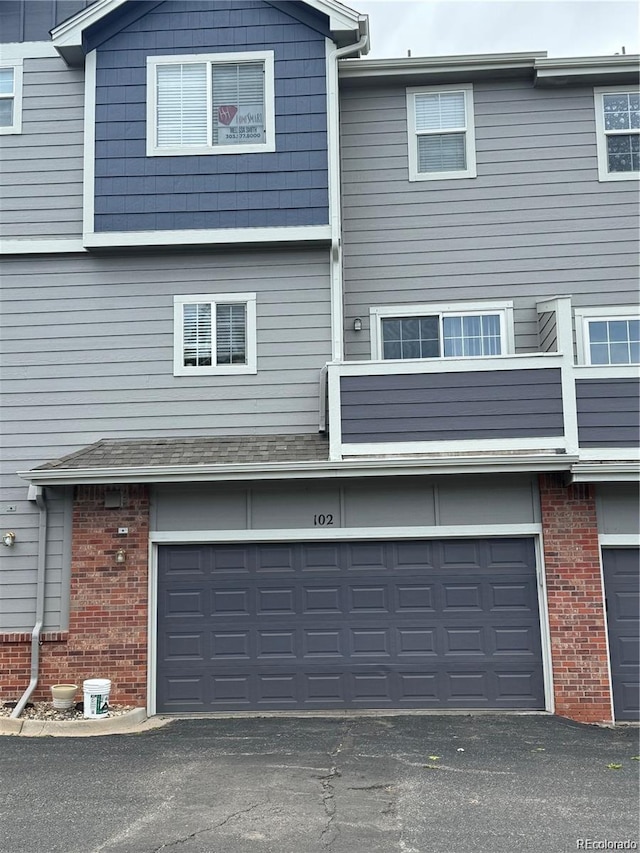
(441, 137)
(215, 334)
(210, 104)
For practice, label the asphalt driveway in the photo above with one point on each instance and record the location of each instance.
(447, 784)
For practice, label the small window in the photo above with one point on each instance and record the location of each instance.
(215, 334)
(613, 340)
(618, 133)
(441, 332)
(210, 104)
(441, 133)
(11, 98)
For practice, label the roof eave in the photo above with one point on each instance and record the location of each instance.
(346, 25)
(299, 470)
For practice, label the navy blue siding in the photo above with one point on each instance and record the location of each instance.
(26, 20)
(608, 412)
(288, 187)
(452, 406)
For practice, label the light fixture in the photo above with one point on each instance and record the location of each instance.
(8, 538)
(357, 325)
(121, 555)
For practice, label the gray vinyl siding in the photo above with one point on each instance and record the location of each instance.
(534, 224)
(26, 20)
(41, 173)
(618, 508)
(452, 406)
(608, 412)
(407, 501)
(87, 353)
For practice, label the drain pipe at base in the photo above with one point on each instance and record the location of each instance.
(36, 494)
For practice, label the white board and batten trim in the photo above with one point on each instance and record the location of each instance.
(309, 534)
(27, 50)
(619, 540)
(202, 236)
(392, 448)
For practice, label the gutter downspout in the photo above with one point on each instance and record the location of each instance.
(36, 493)
(333, 126)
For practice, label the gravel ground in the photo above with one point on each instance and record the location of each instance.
(45, 711)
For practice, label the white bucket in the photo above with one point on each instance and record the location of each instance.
(96, 697)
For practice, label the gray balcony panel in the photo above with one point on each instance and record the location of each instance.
(452, 406)
(608, 412)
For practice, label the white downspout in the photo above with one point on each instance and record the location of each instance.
(36, 493)
(333, 138)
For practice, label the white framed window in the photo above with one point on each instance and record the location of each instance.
(452, 330)
(11, 97)
(210, 104)
(618, 133)
(214, 334)
(441, 133)
(608, 336)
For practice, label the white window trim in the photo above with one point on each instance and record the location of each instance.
(268, 145)
(601, 135)
(503, 308)
(16, 127)
(584, 316)
(470, 136)
(180, 369)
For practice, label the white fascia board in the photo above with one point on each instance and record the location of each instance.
(392, 367)
(69, 33)
(603, 472)
(340, 17)
(302, 470)
(207, 237)
(440, 64)
(36, 246)
(573, 69)
(27, 50)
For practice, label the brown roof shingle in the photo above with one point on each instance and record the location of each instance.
(209, 450)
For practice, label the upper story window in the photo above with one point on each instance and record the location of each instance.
(441, 133)
(215, 334)
(210, 104)
(442, 331)
(608, 336)
(11, 98)
(618, 133)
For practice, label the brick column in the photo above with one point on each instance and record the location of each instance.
(575, 601)
(107, 635)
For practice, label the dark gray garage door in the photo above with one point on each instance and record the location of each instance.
(622, 586)
(416, 624)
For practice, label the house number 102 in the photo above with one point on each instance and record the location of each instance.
(323, 520)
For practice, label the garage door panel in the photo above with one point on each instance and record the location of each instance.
(316, 626)
(622, 588)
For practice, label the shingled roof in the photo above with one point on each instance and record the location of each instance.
(205, 450)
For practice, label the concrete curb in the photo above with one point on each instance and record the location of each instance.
(129, 723)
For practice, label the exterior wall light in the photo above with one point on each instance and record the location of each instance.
(9, 538)
(121, 556)
(357, 325)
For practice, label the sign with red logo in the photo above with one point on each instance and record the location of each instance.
(240, 125)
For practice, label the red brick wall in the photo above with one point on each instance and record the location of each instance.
(107, 635)
(576, 608)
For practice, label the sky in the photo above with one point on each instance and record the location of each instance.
(453, 27)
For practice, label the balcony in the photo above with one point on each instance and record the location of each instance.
(534, 406)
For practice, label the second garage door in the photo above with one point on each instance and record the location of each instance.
(405, 624)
